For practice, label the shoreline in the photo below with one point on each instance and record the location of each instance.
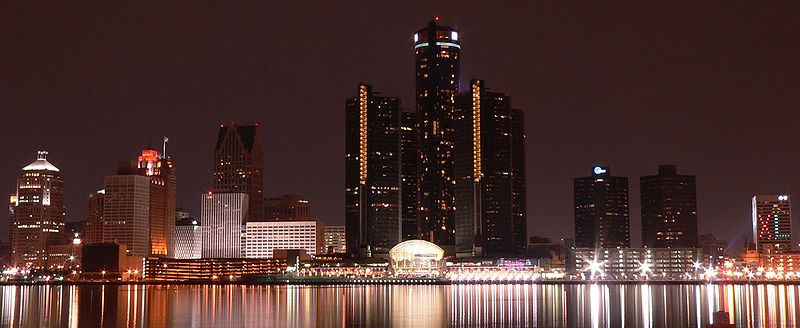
(424, 281)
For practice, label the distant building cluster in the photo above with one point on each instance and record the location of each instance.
(452, 172)
(444, 183)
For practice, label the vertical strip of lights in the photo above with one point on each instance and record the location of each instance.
(476, 130)
(362, 134)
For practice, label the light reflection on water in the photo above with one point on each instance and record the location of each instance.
(397, 306)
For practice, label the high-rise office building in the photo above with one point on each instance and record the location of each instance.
(372, 164)
(772, 223)
(263, 238)
(126, 213)
(437, 51)
(37, 213)
(519, 189)
(223, 215)
(335, 240)
(188, 239)
(239, 165)
(483, 148)
(160, 169)
(408, 174)
(669, 209)
(287, 207)
(94, 217)
(601, 210)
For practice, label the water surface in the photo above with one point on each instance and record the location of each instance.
(397, 305)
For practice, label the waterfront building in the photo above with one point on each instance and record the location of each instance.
(669, 209)
(601, 210)
(416, 258)
(772, 223)
(437, 50)
(223, 215)
(408, 175)
(263, 238)
(216, 269)
(372, 173)
(627, 263)
(335, 240)
(239, 165)
(188, 239)
(126, 213)
(287, 207)
(37, 213)
(487, 220)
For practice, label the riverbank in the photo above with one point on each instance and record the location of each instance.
(276, 280)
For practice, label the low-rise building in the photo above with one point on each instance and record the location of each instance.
(188, 239)
(262, 238)
(623, 263)
(335, 241)
(166, 269)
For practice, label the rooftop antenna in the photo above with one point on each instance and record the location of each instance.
(164, 150)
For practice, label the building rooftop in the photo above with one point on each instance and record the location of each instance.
(41, 164)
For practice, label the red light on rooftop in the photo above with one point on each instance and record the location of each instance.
(436, 18)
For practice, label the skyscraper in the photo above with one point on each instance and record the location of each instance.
(483, 148)
(126, 212)
(669, 209)
(37, 213)
(437, 50)
(160, 169)
(601, 210)
(223, 215)
(94, 217)
(519, 188)
(772, 223)
(408, 174)
(372, 164)
(239, 165)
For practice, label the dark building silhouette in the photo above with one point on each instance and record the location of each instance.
(372, 166)
(601, 210)
(287, 207)
(408, 174)
(94, 217)
(437, 63)
(239, 165)
(519, 189)
(483, 149)
(669, 209)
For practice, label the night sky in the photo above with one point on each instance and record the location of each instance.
(711, 87)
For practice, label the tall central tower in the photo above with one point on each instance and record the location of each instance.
(437, 52)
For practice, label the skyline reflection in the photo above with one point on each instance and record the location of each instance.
(548, 305)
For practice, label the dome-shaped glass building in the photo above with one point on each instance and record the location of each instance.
(416, 258)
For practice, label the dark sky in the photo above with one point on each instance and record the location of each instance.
(713, 87)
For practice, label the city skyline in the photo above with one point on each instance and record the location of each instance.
(641, 122)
